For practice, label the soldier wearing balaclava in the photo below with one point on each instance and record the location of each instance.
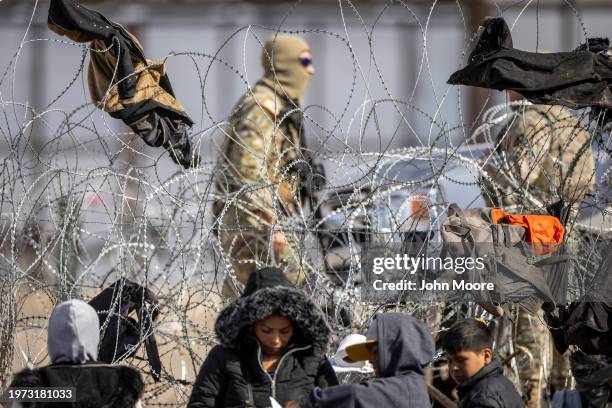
(257, 183)
(284, 58)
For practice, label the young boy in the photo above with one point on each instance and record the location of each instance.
(468, 346)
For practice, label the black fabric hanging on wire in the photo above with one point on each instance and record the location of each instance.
(121, 334)
(576, 79)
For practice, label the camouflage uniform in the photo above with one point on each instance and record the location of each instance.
(260, 190)
(549, 155)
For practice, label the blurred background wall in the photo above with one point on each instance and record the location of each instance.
(403, 50)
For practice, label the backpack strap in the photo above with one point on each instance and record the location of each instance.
(153, 357)
(552, 260)
(455, 211)
(464, 229)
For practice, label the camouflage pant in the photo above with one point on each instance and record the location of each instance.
(539, 365)
(246, 240)
(531, 340)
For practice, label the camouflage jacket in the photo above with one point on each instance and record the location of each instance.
(262, 141)
(548, 153)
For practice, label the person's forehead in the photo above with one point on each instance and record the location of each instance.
(275, 322)
(461, 354)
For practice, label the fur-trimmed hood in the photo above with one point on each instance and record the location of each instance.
(269, 293)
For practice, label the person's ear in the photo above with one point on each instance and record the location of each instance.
(488, 355)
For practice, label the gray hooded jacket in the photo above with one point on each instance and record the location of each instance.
(405, 348)
(73, 337)
(73, 333)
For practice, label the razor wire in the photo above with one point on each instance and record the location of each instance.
(90, 204)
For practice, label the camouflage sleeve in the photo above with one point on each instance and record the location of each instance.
(523, 145)
(574, 166)
(529, 146)
(250, 155)
(555, 156)
(548, 153)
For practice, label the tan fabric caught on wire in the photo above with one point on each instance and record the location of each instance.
(102, 79)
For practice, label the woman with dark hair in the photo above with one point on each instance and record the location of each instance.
(273, 341)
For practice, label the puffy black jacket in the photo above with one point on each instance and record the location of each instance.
(232, 375)
(95, 385)
(234, 378)
(488, 388)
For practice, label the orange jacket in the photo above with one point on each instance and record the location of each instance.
(545, 232)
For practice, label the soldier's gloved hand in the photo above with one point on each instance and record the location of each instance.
(596, 45)
(311, 172)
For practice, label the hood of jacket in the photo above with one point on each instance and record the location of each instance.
(73, 333)
(405, 348)
(404, 344)
(269, 292)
